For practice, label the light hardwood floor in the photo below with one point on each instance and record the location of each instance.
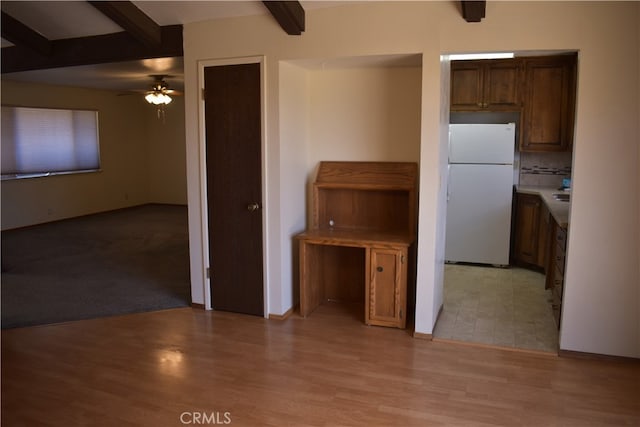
(329, 369)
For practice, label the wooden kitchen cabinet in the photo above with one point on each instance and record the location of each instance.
(542, 89)
(386, 294)
(529, 220)
(532, 222)
(362, 231)
(492, 85)
(540, 242)
(554, 280)
(549, 103)
(543, 236)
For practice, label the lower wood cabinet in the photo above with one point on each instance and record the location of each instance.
(345, 267)
(386, 290)
(540, 242)
(530, 229)
(555, 267)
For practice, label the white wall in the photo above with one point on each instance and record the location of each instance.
(601, 308)
(294, 125)
(361, 112)
(166, 156)
(131, 166)
(366, 114)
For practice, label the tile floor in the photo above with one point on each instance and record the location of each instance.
(507, 307)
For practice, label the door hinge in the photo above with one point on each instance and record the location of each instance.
(401, 259)
(204, 94)
(208, 273)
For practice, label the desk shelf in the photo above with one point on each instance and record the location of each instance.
(360, 240)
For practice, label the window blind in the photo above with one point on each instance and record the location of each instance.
(43, 141)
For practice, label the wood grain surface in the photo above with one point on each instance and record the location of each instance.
(151, 369)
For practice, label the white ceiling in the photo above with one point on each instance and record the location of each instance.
(67, 19)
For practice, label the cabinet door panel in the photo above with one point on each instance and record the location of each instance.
(387, 288)
(502, 85)
(383, 284)
(549, 104)
(527, 228)
(544, 116)
(466, 86)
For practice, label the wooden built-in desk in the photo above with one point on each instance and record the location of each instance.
(375, 265)
(359, 243)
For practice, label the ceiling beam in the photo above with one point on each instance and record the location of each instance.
(132, 20)
(21, 35)
(473, 10)
(92, 50)
(289, 14)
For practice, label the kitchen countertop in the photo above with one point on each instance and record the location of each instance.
(559, 210)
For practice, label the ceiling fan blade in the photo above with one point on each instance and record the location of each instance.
(132, 92)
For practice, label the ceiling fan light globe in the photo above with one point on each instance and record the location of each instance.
(157, 98)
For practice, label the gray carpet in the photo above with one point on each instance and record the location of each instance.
(125, 261)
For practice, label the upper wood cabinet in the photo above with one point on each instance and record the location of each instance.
(549, 103)
(542, 88)
(486, 85)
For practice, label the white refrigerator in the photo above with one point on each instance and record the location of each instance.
(479, 193)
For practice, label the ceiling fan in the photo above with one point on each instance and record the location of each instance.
(159, 93)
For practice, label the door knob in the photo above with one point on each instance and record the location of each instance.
(251, 207)
(380, 269)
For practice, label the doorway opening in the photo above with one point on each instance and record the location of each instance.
(516, 306)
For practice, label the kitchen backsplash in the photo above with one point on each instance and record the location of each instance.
(544, 169)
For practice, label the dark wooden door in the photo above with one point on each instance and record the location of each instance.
(234, 188)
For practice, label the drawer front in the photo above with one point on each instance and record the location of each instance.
(559, 262)
(561, 238)
(558, 284)
(557, 310)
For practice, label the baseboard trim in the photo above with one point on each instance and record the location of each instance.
(423, 336)
(197, 305)
(284, 316)
(596, 356)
